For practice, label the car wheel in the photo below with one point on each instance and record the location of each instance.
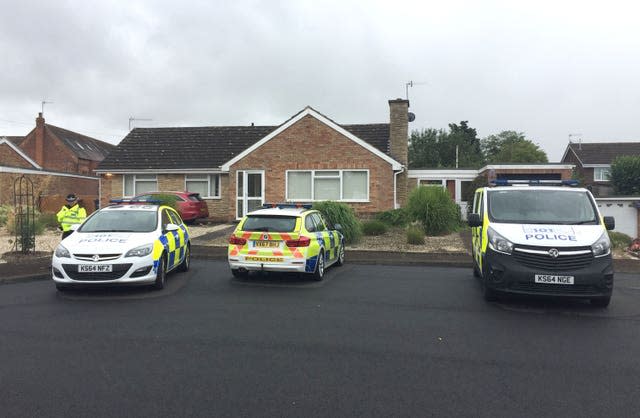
(319, 273)
(161, 275)
(340, 261)
(239, 274)
(186, 262)
(602, 302)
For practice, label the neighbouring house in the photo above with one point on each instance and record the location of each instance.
(593, 162)
(458, 181)
(238, 168)
(56, 160)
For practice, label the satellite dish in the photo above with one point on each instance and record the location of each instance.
(412, 117)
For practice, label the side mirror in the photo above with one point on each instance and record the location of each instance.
(337, 227)
(171, 227)
(609, 223)
(474, 220)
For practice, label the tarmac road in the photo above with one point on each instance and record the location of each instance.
(367, 341)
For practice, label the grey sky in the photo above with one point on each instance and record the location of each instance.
(548, 69)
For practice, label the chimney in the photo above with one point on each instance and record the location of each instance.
(398, 144)
(39, 148)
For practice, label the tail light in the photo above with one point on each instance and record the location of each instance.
(300, 242)
(237, 240)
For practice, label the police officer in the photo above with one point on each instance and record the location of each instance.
(71, 213)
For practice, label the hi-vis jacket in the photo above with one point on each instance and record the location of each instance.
(68, 216)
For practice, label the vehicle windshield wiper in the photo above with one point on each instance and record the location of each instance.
(582, 222)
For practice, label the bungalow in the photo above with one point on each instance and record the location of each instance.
(238, 168)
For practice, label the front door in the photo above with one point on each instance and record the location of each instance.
(249, 191)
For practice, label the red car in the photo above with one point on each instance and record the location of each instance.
(189, 205)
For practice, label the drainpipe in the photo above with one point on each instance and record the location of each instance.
(395, 183)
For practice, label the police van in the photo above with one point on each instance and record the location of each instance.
(541, 238)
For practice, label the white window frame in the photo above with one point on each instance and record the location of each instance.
(245, 197)
(211, 179)
(601, 170)
(340, 176)
(135, 182)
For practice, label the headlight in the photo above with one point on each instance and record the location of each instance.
(499, 243)
(140, 251)
(602, 246)
(62, 252)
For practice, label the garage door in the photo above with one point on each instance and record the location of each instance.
(625, 213)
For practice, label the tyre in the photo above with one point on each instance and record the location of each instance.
(186, 262)
(601, 302)
(340, 261)
(239, 274)
(161, 275)
(318, 274)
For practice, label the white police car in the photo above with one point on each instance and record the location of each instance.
(123, 244)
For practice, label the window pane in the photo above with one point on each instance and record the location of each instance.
(240, 186)
(198, 187)
(355, 185)
(146, 186)
(254, 185)
(327, 189)
(253, 205)
(327, 173)
(128, 185)
(239, 209)
(214, 184)
(299, 185)
(146, 177)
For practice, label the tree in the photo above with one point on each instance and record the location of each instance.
(625, 175)
(431, 148)
(423, 148)
(511, 147)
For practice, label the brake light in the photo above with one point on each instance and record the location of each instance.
(300, 242)
(237, 240)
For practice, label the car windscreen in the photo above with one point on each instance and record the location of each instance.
(541, 207)
(121, 221)
(195, 197)
(270, 223)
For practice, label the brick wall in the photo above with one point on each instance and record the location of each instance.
(9, 157)
(398, 143)
(310, 144)
(50, 189)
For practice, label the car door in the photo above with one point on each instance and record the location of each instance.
(171, 240)
(182, 235)
(328, 237)
(477, 232)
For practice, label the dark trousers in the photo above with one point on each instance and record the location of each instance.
(66, 234)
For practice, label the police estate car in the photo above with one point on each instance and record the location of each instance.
(123, 244)
(541, 240)
(285, 238)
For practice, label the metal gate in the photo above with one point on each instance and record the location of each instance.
(25, 215)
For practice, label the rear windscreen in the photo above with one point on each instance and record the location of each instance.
(269, 223)
(195, 197)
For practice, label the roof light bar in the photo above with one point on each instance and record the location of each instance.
(505, 182)
(288, 205)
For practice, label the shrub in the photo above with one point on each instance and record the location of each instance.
(48, 220)
(41, 221)
(395, 217)
(343, 214)
(167, 199)
(415, 235)
(4, 214)
(434, 209)
(625, 174)
(374, 227)
(619, 241)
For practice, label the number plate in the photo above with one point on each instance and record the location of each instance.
(266, 244)
(552, 279)
(95, 268)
